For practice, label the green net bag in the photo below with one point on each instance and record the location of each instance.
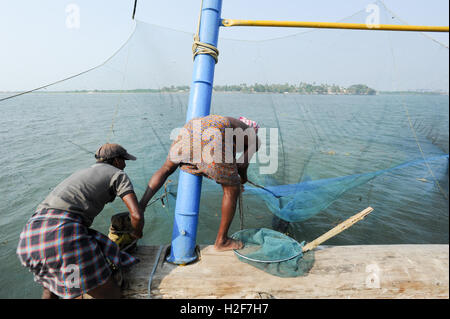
(273, 252)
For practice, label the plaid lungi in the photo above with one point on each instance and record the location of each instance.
(67, 257)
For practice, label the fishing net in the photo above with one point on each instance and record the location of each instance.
(262, 245)
(349, 119)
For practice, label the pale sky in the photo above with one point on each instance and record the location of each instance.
(38, 46)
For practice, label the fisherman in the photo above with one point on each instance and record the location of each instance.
(67, 257)
(207, 146)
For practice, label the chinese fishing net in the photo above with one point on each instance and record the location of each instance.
(349, 119)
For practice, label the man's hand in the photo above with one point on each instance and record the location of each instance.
(136, 234)
(136, 214)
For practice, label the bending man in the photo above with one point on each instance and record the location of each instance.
(207, 147)
(67, 257)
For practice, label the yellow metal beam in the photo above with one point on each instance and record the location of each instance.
(332, 25)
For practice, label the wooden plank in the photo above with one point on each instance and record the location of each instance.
(363, 271)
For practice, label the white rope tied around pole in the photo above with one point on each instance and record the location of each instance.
(204, 48)
(199, 47)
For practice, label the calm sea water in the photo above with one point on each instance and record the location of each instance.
(46, 137)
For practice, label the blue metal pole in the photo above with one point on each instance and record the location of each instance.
(189, 186)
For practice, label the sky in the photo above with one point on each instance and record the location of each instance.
(39, 44)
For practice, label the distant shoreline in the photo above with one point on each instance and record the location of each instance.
(300, 89)
(227, 92)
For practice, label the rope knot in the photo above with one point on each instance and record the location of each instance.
(204, 48)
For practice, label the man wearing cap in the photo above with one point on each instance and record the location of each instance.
(214, 146)
(67, 257)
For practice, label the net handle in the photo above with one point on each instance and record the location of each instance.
(339, 228)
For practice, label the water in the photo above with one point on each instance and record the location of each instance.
(322, 137)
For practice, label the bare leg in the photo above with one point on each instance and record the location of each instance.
(47, 294)
(229, 200)
(109, 290)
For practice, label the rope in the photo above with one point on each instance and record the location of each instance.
(166, 193)
(124, 77)
(204, 48)
(411, 126)
(150, 279)
(81, 147)
(129, 245)
(201, 47)
(262, 187)
(134, 9)
(241, 210)
(404, 22)
(75, 75)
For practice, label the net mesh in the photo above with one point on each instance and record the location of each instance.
(274, 252)
(349, 119)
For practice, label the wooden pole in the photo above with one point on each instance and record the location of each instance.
(339, 228)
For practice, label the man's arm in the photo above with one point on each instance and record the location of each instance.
(156, 181)
(136, 214)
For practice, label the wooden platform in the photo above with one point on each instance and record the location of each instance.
(387, 271)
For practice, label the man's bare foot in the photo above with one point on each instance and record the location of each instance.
(228, 244)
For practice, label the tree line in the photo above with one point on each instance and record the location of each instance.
(302, 88)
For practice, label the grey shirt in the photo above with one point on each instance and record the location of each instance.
(87, 191)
